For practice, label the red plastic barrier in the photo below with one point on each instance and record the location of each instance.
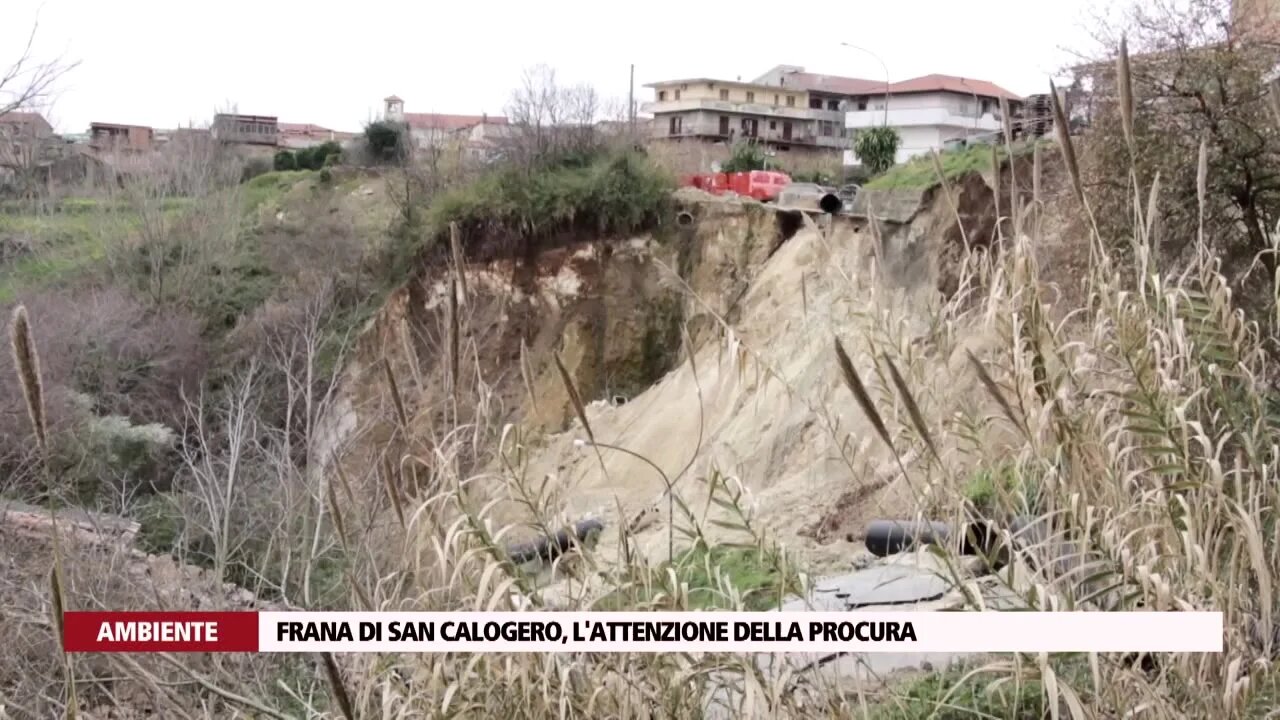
(759, 184)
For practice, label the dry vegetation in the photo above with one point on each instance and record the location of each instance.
(1141, 424)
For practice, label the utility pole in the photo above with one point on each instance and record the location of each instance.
(631, 103)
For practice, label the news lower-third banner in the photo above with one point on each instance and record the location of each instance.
(632, 632)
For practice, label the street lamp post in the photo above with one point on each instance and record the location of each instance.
(886, 77)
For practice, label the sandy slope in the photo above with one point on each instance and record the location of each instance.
(766, 403)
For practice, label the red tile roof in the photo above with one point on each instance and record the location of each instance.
(951, 83)
(833, 84)
(23, 118)
(436, 121)
(310, 129)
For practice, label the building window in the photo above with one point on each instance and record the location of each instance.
(833, 104)
(815, 103)
(675, 125)
(724, 94)
(791, 101)
(662, 95)
(828, 128)
(775, 99)
(724, 125)
(677, 94)
(751, 97)
(773, 125)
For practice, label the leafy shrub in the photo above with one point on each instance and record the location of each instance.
(284, 160)
(326, 176)
(612, 194)
(857, 175)
(315, 158)
(386, 141)
(876, 147)
(746, 156)
(253, 167)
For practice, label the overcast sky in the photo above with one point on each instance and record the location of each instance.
(169, 62)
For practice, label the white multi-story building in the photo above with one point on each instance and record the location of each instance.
(932, 110)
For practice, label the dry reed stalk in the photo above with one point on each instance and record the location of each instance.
(27, 362)
(459, 268)
(1124, 80)
(951, 199)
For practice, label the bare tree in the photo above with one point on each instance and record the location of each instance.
(28, 82)
(549, 119)
(1197, 82)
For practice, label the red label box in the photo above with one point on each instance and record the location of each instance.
(87, 632)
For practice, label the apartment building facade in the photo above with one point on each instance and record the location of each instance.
(114, 137)
(930, 111)
(246, 129)
(784, 118)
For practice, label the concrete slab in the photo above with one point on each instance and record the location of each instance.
(896, 206)
(917, 581)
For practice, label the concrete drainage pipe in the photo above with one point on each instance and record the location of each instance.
(684, 219)
(830, 204)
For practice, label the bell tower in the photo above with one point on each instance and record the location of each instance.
(393, 108)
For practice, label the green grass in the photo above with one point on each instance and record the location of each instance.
(949, 696)
(63, 246)
(744, 568)
(269, 188)
(84, 205)
(609, 193)
(919, 173)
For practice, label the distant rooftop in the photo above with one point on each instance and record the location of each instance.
(437, 121)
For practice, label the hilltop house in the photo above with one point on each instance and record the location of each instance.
(113, 137)
(16, 125)
(786, 109)
(246, 129)
(476, 133)
(931, 110)
(299, 136)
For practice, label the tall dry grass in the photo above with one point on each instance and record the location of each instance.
(1140, 428)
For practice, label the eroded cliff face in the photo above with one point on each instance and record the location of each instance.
(762, 293)
(613, 310)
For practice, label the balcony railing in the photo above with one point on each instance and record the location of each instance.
(919, 117)
(741, 108)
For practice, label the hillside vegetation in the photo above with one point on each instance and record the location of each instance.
(214, 359)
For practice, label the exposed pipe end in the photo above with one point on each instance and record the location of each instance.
(830, 204)
(684, 218)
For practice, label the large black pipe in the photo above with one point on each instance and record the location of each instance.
(549, 548)
(830, 204)
(887, 537)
